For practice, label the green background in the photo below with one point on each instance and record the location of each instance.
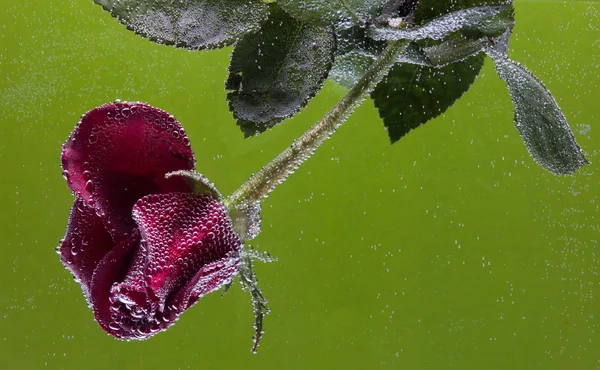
(450, 250)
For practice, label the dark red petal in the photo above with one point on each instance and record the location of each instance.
(86, 242)
(210, 278)
(183, 233)
(111, 269)
(188, 249)
(121, 152)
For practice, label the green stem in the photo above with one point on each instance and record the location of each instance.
(274, 173)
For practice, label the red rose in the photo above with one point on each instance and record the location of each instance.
(143, 247)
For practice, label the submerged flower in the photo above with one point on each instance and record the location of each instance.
(143, 245)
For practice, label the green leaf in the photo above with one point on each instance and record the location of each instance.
(350, 37)
(413, 94)
(329, 12)
(351, 66)
(192, 24)
(450, 51)
(426, 10)
(198, 183)
(439, 54)
(356, 51)
(277, 71)
(539, 119)
(476, 22)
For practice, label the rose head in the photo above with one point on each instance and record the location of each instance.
(143, 246)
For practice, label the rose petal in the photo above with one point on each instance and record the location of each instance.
(183, 233)
(188, 249)
(210, 278)
(86, 242)
(111, 269)
(121, 152)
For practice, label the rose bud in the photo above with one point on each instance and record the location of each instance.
(144, 246)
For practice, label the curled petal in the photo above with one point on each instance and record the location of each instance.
(210, 278)
(85, 244)
(111, 269)
(121, 152)
(188, 249)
